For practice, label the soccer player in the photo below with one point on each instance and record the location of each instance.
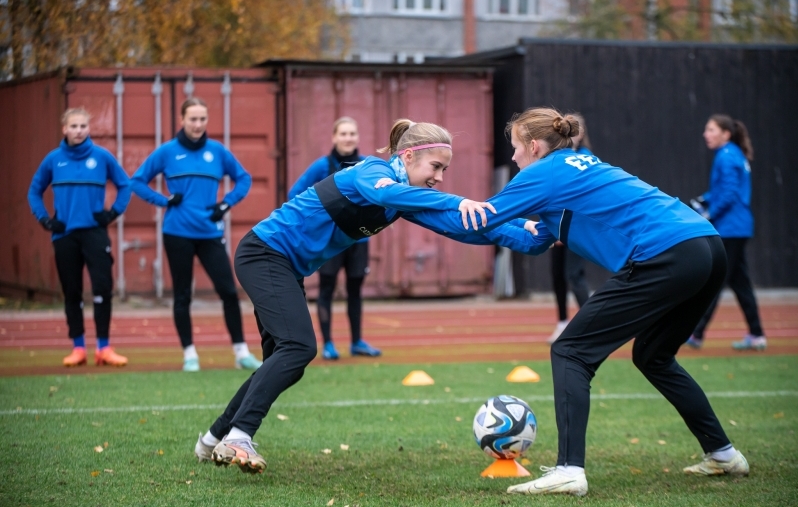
(354, 259)
(78, 171)
(307, 231)
(669, 265)
(567, 268)
(193, 166)
(727, 205)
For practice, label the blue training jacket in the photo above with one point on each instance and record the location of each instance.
(601, 212)
(195, 174)
(78, 175)
(302, 230)
(317, 171)
(729, 194)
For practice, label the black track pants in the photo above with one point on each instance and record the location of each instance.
(567, 268)
(287, 336)
(740, 283)
(211, 253)
(90, 248)
(658, 301)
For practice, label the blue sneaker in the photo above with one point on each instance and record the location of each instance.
(694, 342)
(751, 342)
(191, 365)
(361, 348)
(329, 352)
(248, 363)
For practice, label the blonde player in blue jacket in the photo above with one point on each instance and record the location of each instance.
(78, 171)
(669, 265)
(295, 240)
(727, 204)
(193, 166)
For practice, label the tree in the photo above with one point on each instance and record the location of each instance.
(46, 34)
(722, 21)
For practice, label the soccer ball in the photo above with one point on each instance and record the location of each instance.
(505, 427)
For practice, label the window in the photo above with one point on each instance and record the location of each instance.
(429, 7)
(514, 8)
(351, 6)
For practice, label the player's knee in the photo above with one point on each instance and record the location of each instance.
(306, 352)
(182, 299)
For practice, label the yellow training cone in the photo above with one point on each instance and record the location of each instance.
(417, 378)
(523, 374)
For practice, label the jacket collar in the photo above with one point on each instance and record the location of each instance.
(189, 144)
(79, 151)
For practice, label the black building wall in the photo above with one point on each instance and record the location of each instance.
(646, 105)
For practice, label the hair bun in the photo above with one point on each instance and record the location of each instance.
(566, 127)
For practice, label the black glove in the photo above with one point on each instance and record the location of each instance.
(700, 206)
(105, 217)
(174, 200)
(219, 210)
(53, 225)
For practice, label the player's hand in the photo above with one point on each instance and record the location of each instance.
(530, 226)
(174, 200)
(53, 225)
(469, 209)
(384, 182)
(219, 210)
(105, 217)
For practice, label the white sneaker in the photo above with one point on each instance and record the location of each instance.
(561, 325)
(203, 452)
(553, 481)
(738, 466)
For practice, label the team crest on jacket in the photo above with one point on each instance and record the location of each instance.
(91, 163)
(208, 156)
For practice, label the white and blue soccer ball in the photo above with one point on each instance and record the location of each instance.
(505, 427)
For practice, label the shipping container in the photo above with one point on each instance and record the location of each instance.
(276, 119)
(646, 104)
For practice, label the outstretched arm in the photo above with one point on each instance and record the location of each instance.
(509, 235)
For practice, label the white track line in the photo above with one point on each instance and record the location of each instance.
(369, 403)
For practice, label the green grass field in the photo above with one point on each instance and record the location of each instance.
(408, 446)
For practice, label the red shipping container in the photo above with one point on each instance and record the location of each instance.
(279, 120)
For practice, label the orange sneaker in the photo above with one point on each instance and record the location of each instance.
(109, 357)
(76, 358)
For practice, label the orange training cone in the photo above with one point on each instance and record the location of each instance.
(523, 374)
(505, 468)
(417, 378)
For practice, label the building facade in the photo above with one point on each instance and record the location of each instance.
(417, 30)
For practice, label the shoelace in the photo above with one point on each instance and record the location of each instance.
(248, 445)
(547, 470)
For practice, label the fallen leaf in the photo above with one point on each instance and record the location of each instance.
(730, 376)
(96, 424)
(447, 389)
(344, 447)
(282, 417)
(188, 482)
(602, 404)
(191, 473)
(732, 422)
(666, 470)
(160, 452)
(635, 471)
(326, 451)
(458, 418)
(99, 448)
(705, 367)
(332, 501)
(105, 444)
(142, 421)
(694, 456)
(95, 473)
(661, 442)
(634, 441)
(108, 471)
(525, 461)
(778, 415)
(490, 370)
